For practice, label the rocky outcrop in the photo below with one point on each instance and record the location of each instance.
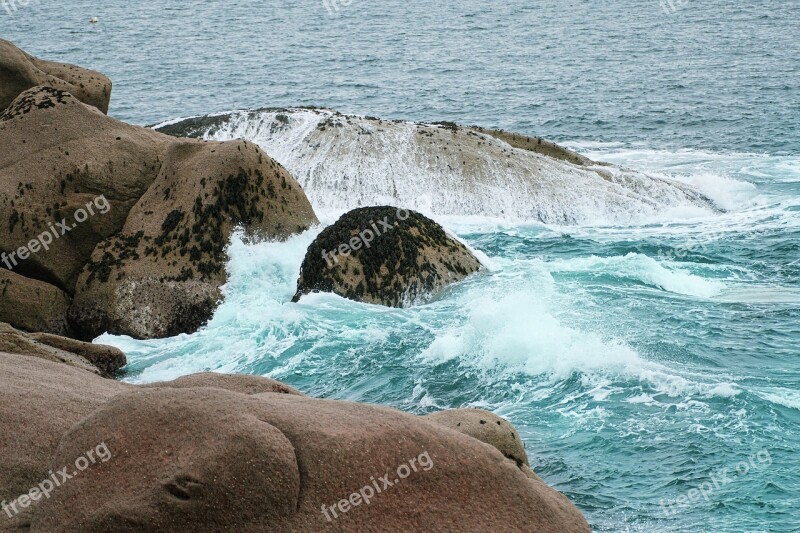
(386, 256)
(61, 160)
(95, 358)
(160, 276)
(205, 459)
(486, 427)
(39, 402)
(142, 217)
(346, 161)
(231, 382)
(20, 71)
(32, 305)
(538, 145)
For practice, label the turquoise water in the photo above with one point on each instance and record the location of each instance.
(638, 361)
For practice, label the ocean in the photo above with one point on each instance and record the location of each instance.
(650, 359)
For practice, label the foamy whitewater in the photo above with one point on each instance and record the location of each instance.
(641, 332)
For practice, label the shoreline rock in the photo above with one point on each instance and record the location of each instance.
(21, 71)
(386, 256)
(223, 452)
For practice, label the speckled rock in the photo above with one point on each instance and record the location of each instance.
(39, 401)
(486, 427)
(384, 255)
(56, 156)
(20, 71)
(209, 460)
(161, 275)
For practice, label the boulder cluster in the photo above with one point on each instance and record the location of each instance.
(109, 227)
(211, 453)
(118, 228)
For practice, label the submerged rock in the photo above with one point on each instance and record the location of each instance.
(21, 71)
(346, 161)
(384, 255)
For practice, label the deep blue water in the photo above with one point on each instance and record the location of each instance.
(639, 361)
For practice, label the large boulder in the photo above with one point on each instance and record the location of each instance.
(20, 71)
(144, 216)
(32, 305)
(384, 255)
(214, 460)
(161, 275)
(95, 358)
(61, 161)
(39, 401)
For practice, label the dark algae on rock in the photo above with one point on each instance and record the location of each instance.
(386, 256)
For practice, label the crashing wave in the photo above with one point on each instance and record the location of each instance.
(345, 161)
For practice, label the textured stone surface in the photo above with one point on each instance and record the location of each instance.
(385, 256)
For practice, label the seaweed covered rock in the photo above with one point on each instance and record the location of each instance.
(69, 175)
(384, 255)
(20, 71)
(161, 275)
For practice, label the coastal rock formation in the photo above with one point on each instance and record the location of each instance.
(486, 427)
(142, 217)
(61, 160)
(243, 384)
(20, 71)
(161, 274)
(39, 402)
(95, 358)
(32, 305)
(384, 255)
(345, 161)
(204, 459)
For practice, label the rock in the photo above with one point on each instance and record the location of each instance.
(539, 146)
(214, 460)
(160, 276)
(231, 382)
(95, 358)
(39, 401)
(346, 161)
(106, 358)
(384, 255)
(32, 305)
(59, 156)
(20, 71)
(486, 427)
(148, 215)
